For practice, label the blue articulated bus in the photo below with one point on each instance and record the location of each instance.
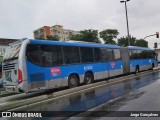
(33, 65)
(142, 58)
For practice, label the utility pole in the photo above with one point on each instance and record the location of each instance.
(127, 20)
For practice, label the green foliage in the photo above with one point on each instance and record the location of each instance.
(87, 35)
(123, 41)
(77, 37)
(41, 38)
(109, 35)
(141, 43)
(54, 38)
(50, 37)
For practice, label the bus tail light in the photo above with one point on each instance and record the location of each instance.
(20, 77)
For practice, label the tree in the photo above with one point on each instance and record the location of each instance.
(77, 37)
(109, 35)
(41, 38)
(141, 43)
(54, 37)
(123, 41)
(87, 35)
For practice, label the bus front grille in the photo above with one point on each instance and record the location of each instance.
(9, 66)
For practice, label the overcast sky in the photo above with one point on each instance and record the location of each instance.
(18, 18)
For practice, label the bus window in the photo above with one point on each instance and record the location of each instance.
(134, 54)
(110, 54)
(117, 55)
(103, 56)
(51, 55)
(71, 55)
(145, 54)
(100, 54)
(151, 54)
(139, 54)
(86, 54)
(130, 54)
(97, 54)
(33, 54)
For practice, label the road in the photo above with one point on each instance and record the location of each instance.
(143, 95)
(135, 94)
(140, 93)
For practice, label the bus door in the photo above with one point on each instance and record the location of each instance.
(102, 64)
(115, 64)
(125, 60)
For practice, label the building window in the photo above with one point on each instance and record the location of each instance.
(41, 31)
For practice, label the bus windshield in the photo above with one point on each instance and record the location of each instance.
(12, 52)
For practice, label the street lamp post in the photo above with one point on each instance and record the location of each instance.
(127, 20)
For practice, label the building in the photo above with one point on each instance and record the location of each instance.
(4, 43)
(42, 32)
(57, 30)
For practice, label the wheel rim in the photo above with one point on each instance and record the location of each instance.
(73, 81)
(88, 78)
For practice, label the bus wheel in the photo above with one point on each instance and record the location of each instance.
(72, 81)
(88, 78)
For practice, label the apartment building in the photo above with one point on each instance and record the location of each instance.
(42, 32)
(58, 30)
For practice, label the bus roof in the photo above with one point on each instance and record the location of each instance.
(138, 48)
(49, 42)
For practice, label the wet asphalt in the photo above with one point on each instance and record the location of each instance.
(143, 97)
(139, 94)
